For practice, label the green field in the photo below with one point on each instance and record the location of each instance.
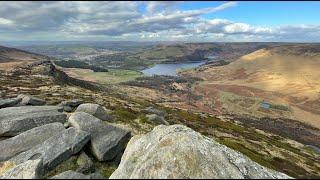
(114, 76)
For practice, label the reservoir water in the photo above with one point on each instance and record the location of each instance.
(170, 69)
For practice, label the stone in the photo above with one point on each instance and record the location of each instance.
(56, 149)
(71, 175)
(95, 110)
(178, 152)
(9, 102)
(106, 140)
(156, 119)
(31, 169)
(68, 108)
(30, 100)
(27, 140)
(15, 120)
(85, 164)
(71, 103)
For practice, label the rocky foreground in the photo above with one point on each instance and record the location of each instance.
(35, 139)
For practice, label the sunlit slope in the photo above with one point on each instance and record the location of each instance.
(292, 70)
(287, 75)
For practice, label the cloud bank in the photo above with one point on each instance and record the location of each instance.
(135, 21)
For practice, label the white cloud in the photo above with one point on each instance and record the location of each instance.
(120, 20)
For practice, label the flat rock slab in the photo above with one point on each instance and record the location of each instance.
(15, 120)
(95, 110)
(31, 169)
(71, 175)
(178, 152)
(9, 102)
(56, 149)
(30, 100)
(27, 140)
(107, 141)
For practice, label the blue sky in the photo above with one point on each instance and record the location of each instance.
(265, 12)
(156, 21)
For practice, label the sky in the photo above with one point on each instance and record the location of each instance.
(208, 21)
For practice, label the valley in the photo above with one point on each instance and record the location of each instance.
(223, 102)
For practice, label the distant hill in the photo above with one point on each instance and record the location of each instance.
(281, 74)
(13, 55)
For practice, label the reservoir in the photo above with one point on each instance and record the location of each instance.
(170, 68)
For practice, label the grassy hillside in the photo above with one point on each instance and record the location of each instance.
(285, 75)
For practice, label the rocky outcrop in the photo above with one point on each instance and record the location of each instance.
(179, 152)
(27, 140)
(71, 175)
(107, 141)
(31, 169)
(95, 110)
(9, 102)
(30, 100)
(56, 149)
(15, 120)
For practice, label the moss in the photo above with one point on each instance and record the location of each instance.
(143, 119)
(105, 169)
(255, 156)
(124, 114)
(70, 164)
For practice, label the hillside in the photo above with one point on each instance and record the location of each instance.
(286, 75)
(138, 110)
(11, 57)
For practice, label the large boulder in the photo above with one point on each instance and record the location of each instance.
(71, 175)
(179, 152)
(95, 110)
(56, 149)
(15, 120)
(27, 140)
(30, 100)
(107, 141)
(9, 102)
(31, 169)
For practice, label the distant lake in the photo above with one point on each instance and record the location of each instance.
(170, 69)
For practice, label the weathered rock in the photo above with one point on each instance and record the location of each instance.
(85, 164)
(27, 140)
(72, 103)
(106, 140)
(156, 119)
(179, 152)
(9, 102)
(56, 149)
(70, 175)
(95, 110)
(30, 100)
(31, 169)
(15, 120)
(68, 108)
